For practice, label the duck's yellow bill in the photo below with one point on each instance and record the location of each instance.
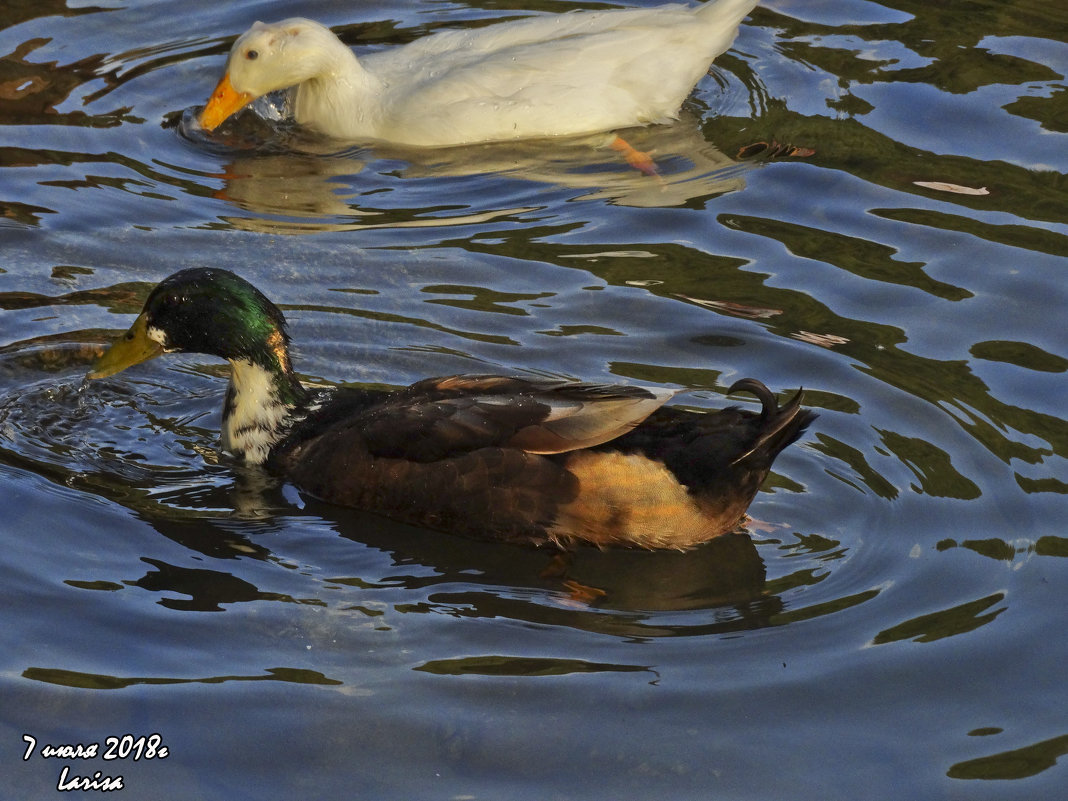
(224, 101)
(132, 348)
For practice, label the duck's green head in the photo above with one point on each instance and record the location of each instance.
(203, 310)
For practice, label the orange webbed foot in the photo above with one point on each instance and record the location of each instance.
(583, 593)
(638, 159)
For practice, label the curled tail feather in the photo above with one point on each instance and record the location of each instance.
(781, 425)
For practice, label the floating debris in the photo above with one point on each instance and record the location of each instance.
(940, 186)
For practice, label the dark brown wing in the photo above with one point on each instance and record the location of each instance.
(464, 453)
(440, 417)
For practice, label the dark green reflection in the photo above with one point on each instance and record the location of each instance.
(993, 548)
(932, 467)
(1024, 237)
(521, 666)
(946, 623)
(1017, 764)
(825, 608)
(870, 260)
(1049, 112)
(1020, 354)
(22, 213)
(1051, 546)
(853, 457)
(482, 299)
(97, 681)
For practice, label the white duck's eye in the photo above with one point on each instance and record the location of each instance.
(252, 55)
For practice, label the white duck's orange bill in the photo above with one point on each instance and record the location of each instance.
(224, 101)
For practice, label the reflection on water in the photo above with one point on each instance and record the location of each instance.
(1019, 763)
(332, 191)
(789, 236)
(69, 678)
(947, 623)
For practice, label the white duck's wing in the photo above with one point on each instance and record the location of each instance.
(547, 76)
(479, 42)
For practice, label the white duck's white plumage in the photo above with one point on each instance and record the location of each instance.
(563, 74)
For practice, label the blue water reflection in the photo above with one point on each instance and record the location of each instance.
(887, 625)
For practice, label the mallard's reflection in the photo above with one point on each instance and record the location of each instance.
(470, 578)
(304, 191)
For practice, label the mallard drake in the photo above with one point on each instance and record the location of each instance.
(516, 459)
(547, 75)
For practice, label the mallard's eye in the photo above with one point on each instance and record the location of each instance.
(252, 55)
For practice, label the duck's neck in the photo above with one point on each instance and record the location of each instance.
(261, 406)
(341, 97)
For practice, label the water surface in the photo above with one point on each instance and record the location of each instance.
(888, 625)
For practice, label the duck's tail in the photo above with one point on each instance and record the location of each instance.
(779, 425)
(725, 12)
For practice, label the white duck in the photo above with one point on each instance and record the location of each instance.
(550, 75)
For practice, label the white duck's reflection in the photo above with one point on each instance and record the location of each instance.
(308, 188)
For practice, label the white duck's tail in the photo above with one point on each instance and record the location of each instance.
(725, 13)
(720, 19)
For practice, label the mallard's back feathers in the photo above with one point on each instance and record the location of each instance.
(517, 459)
